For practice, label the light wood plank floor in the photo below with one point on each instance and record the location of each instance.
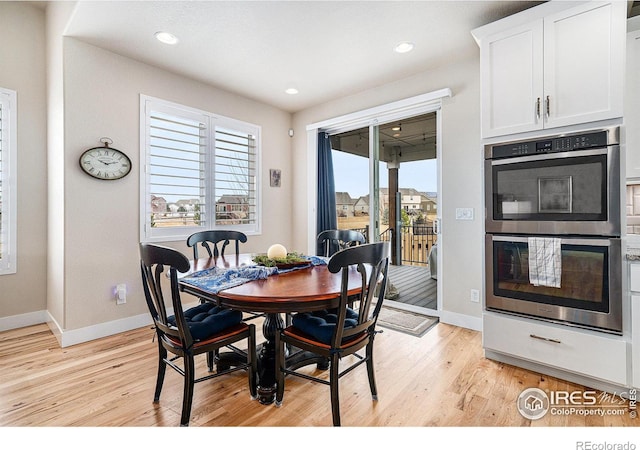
(441, 379)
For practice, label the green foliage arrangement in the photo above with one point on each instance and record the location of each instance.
(291, 258)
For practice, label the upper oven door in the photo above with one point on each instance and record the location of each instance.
(576, 192)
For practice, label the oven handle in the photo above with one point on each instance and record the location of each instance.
(546, 156)
(568, 241)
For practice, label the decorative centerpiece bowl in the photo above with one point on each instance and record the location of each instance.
(288, 261)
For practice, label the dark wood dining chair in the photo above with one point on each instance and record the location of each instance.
(343, 332)
(209, 238)
(331, 241)
(202, 329)
(219, 240)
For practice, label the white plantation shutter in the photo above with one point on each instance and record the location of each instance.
(199, 172)
(177, 158)
(8, 204)
(234, 177)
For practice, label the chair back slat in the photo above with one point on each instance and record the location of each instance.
(332, 241)
(214, 237)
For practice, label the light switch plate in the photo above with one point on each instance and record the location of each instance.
(464, 213)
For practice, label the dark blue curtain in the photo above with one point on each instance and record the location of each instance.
(327, 219)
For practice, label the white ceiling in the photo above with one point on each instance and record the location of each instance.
(326, 49)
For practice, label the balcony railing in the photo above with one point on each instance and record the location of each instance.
(416, 241)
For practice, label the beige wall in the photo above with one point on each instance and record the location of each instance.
(22, 61)
(462, 241)
(58, 14)
(101, 234)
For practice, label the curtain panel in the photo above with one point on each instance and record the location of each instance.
(326, 217)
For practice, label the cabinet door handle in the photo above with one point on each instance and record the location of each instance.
(538, 108)
(548, 106)
(555, 341)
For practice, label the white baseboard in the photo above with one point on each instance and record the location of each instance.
(72, 337)
(80, 335)
(461, 320)
(23, 320)
(67, 338)
(448, 317)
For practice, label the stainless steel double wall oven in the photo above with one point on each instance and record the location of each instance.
(553, 227)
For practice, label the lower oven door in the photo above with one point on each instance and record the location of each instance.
(577, 281)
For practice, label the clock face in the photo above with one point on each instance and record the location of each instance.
(105, 163)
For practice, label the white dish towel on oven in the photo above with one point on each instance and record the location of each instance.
(545, 261)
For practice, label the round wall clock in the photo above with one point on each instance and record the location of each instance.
(105, 163)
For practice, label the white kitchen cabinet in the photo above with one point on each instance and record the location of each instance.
(635, 341)
(595, 355)
(632, 106)
(634, 287)
(511, 80)
(564, 68)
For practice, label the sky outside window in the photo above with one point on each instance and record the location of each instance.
(351, 173)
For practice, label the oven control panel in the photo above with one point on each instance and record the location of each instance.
(550, 145)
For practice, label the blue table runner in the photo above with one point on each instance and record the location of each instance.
(216, 279)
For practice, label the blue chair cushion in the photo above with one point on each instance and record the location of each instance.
(208, 319)
(321, 324)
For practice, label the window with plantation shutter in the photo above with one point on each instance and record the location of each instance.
(199, 172)
(234, 175)
(8, 184)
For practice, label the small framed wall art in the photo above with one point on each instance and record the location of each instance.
(274, 177)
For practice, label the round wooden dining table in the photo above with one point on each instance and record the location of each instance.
(310, 288)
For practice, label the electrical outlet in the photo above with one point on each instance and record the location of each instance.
(121, 294)
(475, 296)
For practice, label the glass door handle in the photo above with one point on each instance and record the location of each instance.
(436, 226)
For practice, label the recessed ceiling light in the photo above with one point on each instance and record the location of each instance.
(403, 47)
(166, 38)
(291, 91)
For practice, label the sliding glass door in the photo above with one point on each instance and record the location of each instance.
(386, 187)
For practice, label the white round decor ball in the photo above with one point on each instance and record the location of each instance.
(277, 251)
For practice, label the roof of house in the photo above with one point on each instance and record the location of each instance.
(363, 199)
(343, 198)
(233, 199)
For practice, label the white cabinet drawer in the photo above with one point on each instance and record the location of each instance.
(594, 355)
(634, 277)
